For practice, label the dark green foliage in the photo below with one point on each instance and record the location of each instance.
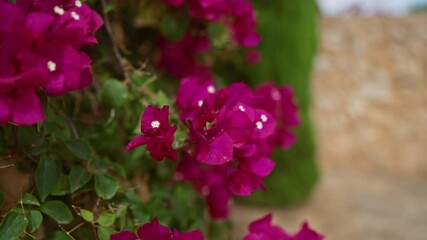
(13, 225)
(289, 30)
(57, 210)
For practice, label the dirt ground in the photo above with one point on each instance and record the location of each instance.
(370, 110)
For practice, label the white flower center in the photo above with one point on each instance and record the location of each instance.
(51, 65)
(241, 108)
(200, 103)
(58, 10)
(78, 3)
(75, 16)
(155, 124)
(275, 94)
(264, 118)
(211, 89)
(259, 125)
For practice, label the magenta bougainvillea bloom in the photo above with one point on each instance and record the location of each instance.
(157, 134)
(232, 132)
(279, 102)
(40, 44)
(178, 58)
(154, 231)
(262, 229)
(239, 15)
(210, 182)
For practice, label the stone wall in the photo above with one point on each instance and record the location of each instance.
(370, 94)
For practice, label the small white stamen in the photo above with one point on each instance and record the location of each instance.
(58, 10)
(75, 16)
(241, 108)
(264, 118)
(211, 89)
(200, 103)
(275, 94)
(51, 65)
(78, 3)
(259, 125)
(155, 124)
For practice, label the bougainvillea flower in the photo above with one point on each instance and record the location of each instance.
(250, 175)
(40, 44)
(209, 10)
(279, 102)
(154, 231)
(157, 133)
(210, 182)
(178, 58)
(262, 229)
(229, 128)
(244, 31)
(21, 107)
(306, 233)
(72, 14)
(218, 200)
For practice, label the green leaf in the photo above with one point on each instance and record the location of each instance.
(62, 187)
(114, 93)
(99, 164)
(86, 188)
(47, 174)
(119, 169)
(13, 226)
(104, 233)
(106, 219)
(109, 7)
(162, 99)
(39, 148)
(173, 27)
(181, 136)
(35, 219)
(29, 199)
(57, 210)
(219, 34)
(106, 186)
(86, 215)
(80, 148)
(79, 176)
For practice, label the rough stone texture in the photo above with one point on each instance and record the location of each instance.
(370, 94)
(370, 111)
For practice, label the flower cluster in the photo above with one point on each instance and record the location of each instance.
(239, 15)
(263, 229)
(153, 230)
(179, 58)
(232, 133)
(40, 47)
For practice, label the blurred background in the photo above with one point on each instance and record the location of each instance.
(359, 68)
